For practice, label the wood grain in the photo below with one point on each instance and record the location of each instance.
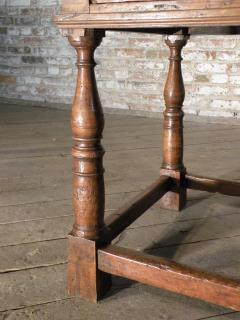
(230, 188)
(87, 124)
(169, 275)
(166, 19)
(72, 6)
(89, 233)
(107, 6)
(123, 217)
(205, 235)
(174, 94)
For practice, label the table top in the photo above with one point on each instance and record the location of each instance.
(117, 14)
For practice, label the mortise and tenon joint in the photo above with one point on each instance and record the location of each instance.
(92, 259)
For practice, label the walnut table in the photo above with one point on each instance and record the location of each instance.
(92, 258)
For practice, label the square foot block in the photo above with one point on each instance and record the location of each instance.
(176, 198)
(84, 278)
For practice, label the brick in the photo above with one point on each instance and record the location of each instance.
(194, 55)
(219, 78)
(226, 104)
(3, 30)
(41, 70)
(3, 50)
(27, 20)
(13, 31)
(144, 43)
(32, 59)
(114, 42)
(211, 67)
(130, 53)
(26, 31)
(208, 90)
(18, 2)
(19, 50)
(152, 54)
(7, 80)
(153, 75)
(143, 86)
(44, 3)
(213, 113)
(121, 74)
(235, 91)
(147, 64)
(201, 78)
(234, 79)
(228, 55)
(53, 70)
(29, 80)
(217, 43)
(68, 72)
(37, 63)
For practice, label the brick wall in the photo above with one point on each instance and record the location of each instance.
(37, 65)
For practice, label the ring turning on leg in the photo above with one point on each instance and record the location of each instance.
(174, 94)
(88, 182)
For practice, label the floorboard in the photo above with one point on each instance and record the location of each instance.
(36, 215)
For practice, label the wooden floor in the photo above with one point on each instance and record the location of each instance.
(35, 215)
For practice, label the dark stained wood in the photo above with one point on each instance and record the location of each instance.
(84, 277)
(126, 215)
(229, 188)
(87, 125)
(174, 94)
(169, 275)
(88, 182)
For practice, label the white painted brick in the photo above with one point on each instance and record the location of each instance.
(121, 74)
(46, 3)
(132, 66)
(53, 70)
(235, 91)
(216, 42)
(13, 31)
(30, 80)
(213, 113)
(41, 70)
(19, 3)
(194, 55)
(234, 80)
(226, 104)
(66, 72)
(21, 88)
(228, 55)
(209, 90)
(25, 31)
(211, 67)
(219, 78)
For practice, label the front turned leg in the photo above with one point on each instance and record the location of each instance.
(174, 94)
(88, 182)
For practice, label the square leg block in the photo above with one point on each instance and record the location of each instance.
(84, 278)
(176, 198)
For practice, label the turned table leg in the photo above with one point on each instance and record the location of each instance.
(88, 182)
(174, 94)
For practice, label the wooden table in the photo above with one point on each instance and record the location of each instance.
(92, 258)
